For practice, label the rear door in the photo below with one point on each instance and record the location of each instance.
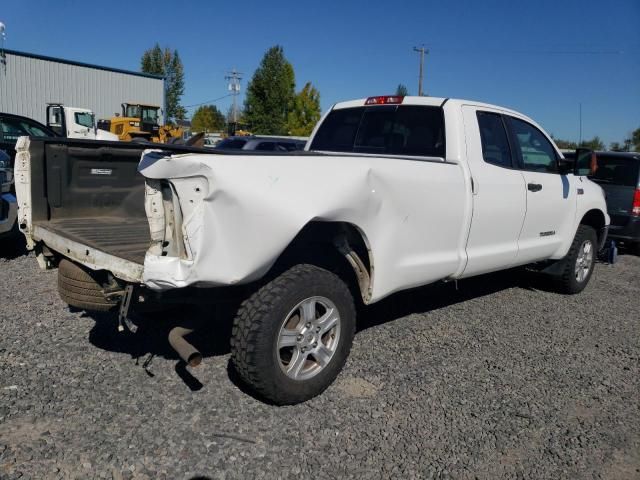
(499, 199)
(551, 197)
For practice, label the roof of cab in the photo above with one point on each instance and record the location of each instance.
(436, 102)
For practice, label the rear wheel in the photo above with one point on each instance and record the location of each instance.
(79, 288)
(577, 267)
(292, 337)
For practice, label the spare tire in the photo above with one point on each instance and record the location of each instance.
(80, 288)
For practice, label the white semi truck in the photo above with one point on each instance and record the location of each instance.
(74, 122)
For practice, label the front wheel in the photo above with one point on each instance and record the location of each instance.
(578, 265)
(292, 337)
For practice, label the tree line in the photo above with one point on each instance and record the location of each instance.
(271, 107)
(629, 144)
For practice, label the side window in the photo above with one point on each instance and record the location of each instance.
(289, 147)
(495, 143)
(12, 129)
(535, 150)
(34, 130)
(266, 146)
(84, 119)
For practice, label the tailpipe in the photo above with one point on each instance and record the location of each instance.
(187, 352)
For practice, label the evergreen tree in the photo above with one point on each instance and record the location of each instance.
(305, 112)
(208, 118)
(166, 63)
(270, 94)
(402, 90)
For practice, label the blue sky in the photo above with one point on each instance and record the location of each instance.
(542, 58)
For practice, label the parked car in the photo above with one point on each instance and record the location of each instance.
(8, 204)
(618, 173)
(266, 144)
(393, 193)
(14, 126)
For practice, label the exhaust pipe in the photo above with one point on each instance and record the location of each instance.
(187, 352)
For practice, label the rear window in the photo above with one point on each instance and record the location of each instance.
(390, 129)
(617, 170)
(232, 143)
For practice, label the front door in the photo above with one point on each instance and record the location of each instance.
(551, 197)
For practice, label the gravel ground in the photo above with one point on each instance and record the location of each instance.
(499, 379)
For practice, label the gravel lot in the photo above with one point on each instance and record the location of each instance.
(499, 379)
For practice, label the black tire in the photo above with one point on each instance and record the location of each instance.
(566, 280)
(255, 354)
(79, 288)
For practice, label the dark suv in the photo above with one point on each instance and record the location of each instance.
(618, 173)
(8, 204)
(264, 144)
(14, 126)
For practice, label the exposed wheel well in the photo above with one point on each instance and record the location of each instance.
(595, 219)
(337, 246)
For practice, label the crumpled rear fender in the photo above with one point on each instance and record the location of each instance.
(240, 212)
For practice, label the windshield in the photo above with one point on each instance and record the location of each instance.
(386, 130)
(150, 115)
(132, 111)
(147, 114)
(84, 118)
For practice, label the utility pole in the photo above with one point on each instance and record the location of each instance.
(580, 123)
(3, 57)
(234, 78)
(422, 52)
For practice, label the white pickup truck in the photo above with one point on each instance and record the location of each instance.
(392, 193)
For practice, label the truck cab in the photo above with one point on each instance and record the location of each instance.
(73, 122)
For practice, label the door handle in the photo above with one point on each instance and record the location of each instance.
(534, 187)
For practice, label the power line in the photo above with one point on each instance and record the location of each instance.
(208, 101)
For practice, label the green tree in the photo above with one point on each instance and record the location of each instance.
(616, 147)
(168, 64)
(402, 90)
(270, 94)
(305, 111)
(208, 118)
(635, 139)
(594, 144)
(565, 144)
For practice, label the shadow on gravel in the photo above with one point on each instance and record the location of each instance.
(151, 338)
(441, 295)
(13, 246)
(212, 338)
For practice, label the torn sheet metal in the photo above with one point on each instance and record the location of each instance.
(240, 212)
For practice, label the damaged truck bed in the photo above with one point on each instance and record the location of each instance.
(392, 193)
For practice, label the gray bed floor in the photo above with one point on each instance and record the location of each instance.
(126, 238)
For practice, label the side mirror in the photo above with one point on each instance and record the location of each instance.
(565, 166)
(585, 163)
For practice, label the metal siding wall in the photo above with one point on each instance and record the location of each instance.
(29, 84)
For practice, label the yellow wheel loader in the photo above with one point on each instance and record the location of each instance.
(140, 122)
